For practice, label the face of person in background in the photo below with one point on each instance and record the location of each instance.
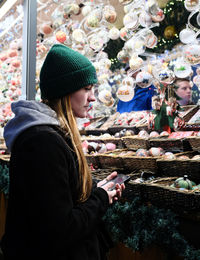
(80, 101)
(184, 91)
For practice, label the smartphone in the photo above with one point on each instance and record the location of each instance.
(120, 178)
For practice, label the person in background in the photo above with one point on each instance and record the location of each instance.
(54, 209)
(183, 91)
(142, 99)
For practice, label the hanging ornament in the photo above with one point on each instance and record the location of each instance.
(169, 32)
(61, 36)
(86, 10)
(191, 5)
(105, 97)
(156, 13)
(131, 21)
(192, 53)
(104, 86)
(96, 43)
(125, 33)
(182, 70)
(125, 93)
(166, 76)
(110, 14)
(128, 81)
(135, 62)
(71, 8)
(79, 35)
(145, 19)
(187, 36)
(150, 40)
(144, 79)
(105, 63)
(113, 34)
(196, 80)
(46, 29)
(123, 56)
(198, 19)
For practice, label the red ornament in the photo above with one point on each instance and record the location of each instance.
(61, 36)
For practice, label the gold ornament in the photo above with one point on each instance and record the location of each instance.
(169, 32)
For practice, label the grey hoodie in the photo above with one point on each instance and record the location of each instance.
(27, 114)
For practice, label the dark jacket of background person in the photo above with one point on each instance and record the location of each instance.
(43, 215)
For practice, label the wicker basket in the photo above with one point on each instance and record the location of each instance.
(111, 160)
(178, 167)
(93, 159)
(159, 193)
(135, 142)
(170, 144)
(194, 142)
(137, 163)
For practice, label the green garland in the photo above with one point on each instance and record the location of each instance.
(4, 179)
(138, 226)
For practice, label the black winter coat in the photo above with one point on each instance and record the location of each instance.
(44, 221)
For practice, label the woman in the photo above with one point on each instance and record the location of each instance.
(53, 210)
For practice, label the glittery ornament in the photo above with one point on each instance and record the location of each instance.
(61, 36)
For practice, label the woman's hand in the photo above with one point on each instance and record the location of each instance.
(116, 191)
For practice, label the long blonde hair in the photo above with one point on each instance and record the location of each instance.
(68, 123)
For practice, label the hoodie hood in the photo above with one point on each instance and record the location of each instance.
(27, 114)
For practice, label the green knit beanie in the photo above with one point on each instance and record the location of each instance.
(65, 71)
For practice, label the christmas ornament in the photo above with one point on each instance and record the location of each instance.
(128, 81)
(191, 5)
(183, 182)
(131, 21)
(169, 32)
(79, 35)
(182, 70)
(145, 19)
(61, 36)
(46, 29)
(135, 62)
(196, 80)
(166, 76)
(187, 36)
(123, 56)
(125, 93)
(110, 14)
(192, 53)
(113, 33)
(144, 79)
